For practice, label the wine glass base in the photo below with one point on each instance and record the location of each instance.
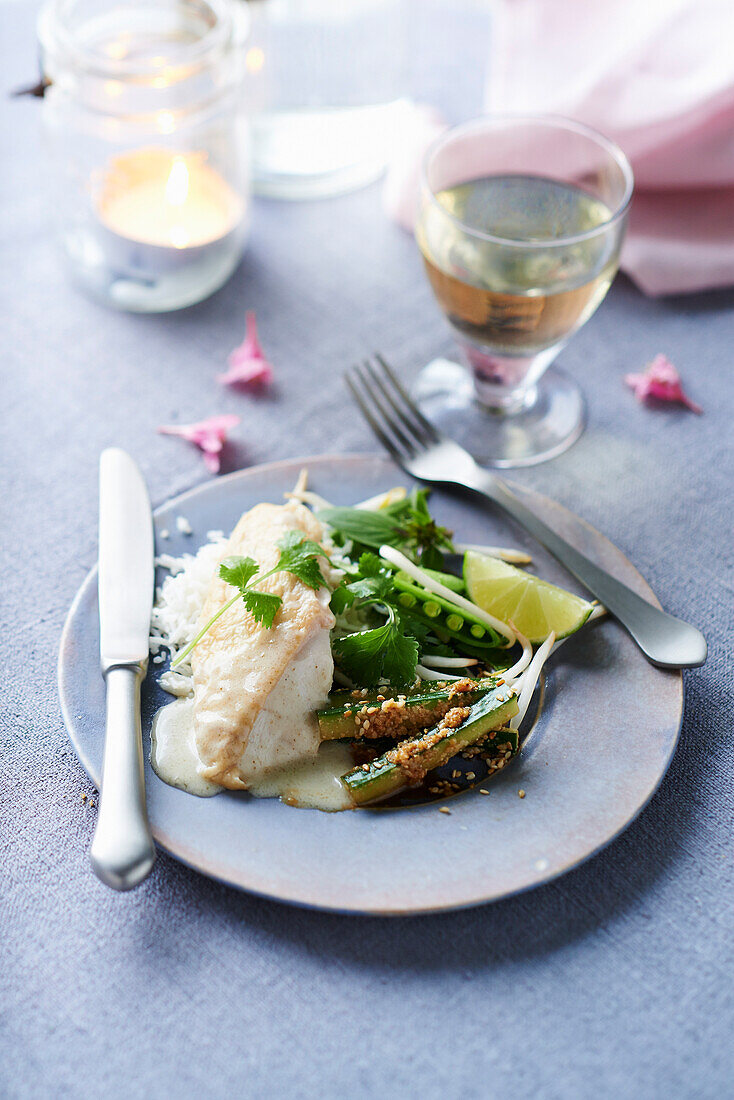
(549, 422)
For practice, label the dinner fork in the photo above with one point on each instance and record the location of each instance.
(426, 454)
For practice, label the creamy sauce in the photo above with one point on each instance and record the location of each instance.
(314, 782)
(173, 752)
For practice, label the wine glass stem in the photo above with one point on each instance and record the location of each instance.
(506, 383)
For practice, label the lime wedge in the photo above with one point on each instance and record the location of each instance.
(512, 595)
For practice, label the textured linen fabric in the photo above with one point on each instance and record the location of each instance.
(614, 981)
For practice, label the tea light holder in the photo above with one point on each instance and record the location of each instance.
(149, 144)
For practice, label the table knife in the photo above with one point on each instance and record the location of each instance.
(122, 852)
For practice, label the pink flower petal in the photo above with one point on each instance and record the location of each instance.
(208, 435)
(661, 381)
(247, 363)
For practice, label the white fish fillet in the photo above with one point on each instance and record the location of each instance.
(256, 690)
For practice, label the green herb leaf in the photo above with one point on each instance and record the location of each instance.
(298, 555)
(368, 528)
(341, 599)
(400, 658)
(238, 571)
(370, 565)
(382, 652)
(263, 606)
(371, 588)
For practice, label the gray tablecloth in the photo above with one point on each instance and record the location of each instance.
(614, 981)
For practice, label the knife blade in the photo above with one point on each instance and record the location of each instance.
(122, 852)
(125, 560)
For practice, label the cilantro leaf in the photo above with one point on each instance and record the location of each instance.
(370, 588)
(374, 581)
(298, 555)
(341, 599)
(238, 571)
(263, 606)
(400, 658)
(382, 652)
(371, 565)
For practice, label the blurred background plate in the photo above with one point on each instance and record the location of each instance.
(606, 734)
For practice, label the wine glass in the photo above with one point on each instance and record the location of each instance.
(520, 227)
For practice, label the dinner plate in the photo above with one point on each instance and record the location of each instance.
(600, 745)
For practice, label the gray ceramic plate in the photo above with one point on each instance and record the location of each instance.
(604, 738)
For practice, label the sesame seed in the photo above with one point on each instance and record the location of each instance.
(444, 810)
(521, 794)
(483, 790)
(471, 775)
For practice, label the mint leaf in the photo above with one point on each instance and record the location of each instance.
(238, 571)
(263, 606)
(368, 528)
(382, 652)
(298, 555)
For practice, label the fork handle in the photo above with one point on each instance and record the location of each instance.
(666, 641)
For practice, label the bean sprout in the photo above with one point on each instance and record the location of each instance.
(431, 674)
(531, 678)
(448, 662)
(518, 557)
(523, 661)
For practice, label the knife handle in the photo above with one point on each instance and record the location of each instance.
(122, 852)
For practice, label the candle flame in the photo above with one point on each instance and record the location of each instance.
(177, 186)
(255, 59)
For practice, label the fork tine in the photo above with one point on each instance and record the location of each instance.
(430, 430)
(417, 436)
(374, 389)
(387, 443)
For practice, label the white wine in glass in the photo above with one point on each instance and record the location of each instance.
(520, 231)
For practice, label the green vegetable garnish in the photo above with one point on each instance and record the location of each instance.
(384, 651)
(406, 524)
(298, 556)
(357, 525)
(388, 651)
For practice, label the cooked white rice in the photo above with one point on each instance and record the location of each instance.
(178, 602)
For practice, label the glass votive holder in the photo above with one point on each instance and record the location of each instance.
(149, 142)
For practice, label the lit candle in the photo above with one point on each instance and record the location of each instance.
(169, 199)
(164, 216)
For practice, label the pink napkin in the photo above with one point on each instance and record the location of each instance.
(658, 77)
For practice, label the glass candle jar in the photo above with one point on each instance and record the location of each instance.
(149, 144)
